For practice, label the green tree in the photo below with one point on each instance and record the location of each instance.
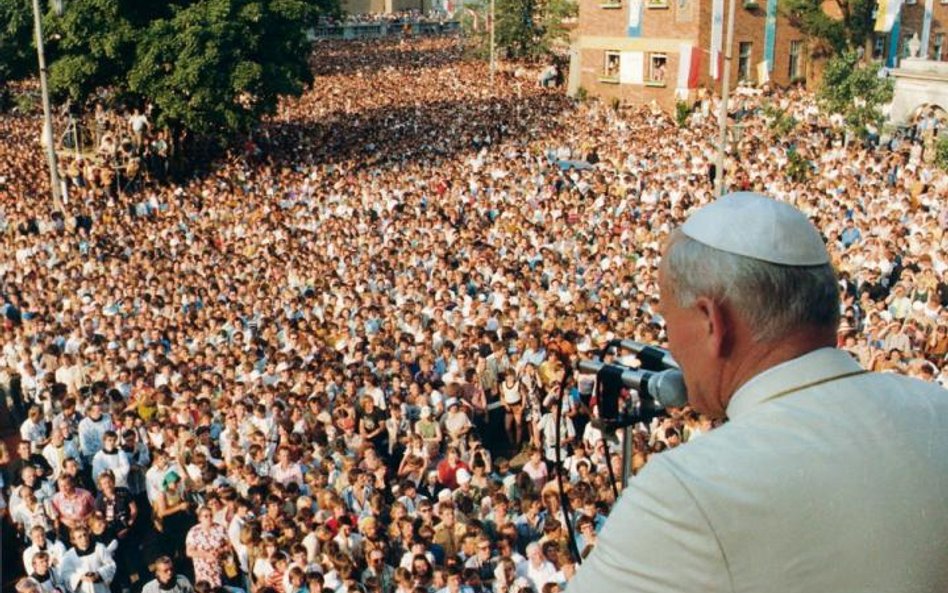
(528, 29)
(853, 88)
(778, 120)
(831, 35)
(91, 46)
(518, 32)
(216, 66)
(554, 16)
(941, 152)
(17, 50)
(212, 67)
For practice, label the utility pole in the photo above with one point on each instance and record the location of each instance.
(493, 58)
(725, 96)
(47, 113)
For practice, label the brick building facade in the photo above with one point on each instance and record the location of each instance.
(642, 64)
(911, 23)
(382, 6)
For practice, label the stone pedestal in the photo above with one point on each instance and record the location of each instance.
(918, 83)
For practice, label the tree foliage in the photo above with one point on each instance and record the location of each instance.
(528, 29)
(941, 152)
(832, 35)
(92, 46)
(221, 64)
(779, 121)
(854, 89)
(17, 50)
(208, 66)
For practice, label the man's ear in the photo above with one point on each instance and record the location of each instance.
(715, 323)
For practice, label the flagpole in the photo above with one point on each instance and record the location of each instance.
(493, 59)
(926, 29)
(55, 188)
(725, 96)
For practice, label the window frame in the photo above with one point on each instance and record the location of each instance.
(745, 62)
(604, 75)
(795, 61)
(878, 47)
(651, 80)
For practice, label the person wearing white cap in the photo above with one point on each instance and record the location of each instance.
(796, 492)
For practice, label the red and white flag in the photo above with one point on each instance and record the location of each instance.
(689, 65)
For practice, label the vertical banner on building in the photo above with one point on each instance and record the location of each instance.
(927, 27)
(689, 64)
(893, 59)
(886, 15)
(635, 18)
(763, 72)
(632, 67)
(717, 34)
(770, 34)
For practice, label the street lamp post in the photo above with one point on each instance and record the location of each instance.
(47, 112)
(725, 97)
(493, 25)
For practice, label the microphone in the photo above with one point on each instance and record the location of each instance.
(652, 357)
(666, 387)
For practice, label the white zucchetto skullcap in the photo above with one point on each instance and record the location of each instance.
(755, 226)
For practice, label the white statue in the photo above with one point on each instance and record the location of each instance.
(914, 45)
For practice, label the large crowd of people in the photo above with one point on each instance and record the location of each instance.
(395, 17)
(333, 361)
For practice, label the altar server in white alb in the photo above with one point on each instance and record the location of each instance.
(825, 477)
(88, 566)
(111, 458)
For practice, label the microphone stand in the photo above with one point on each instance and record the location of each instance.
(564, 500)
(626, 421)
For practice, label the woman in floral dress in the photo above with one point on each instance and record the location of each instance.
(207, 546)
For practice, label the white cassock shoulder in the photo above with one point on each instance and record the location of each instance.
(656, 539)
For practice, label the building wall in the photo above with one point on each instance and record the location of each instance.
(663, 29)
(591, 62)
(363, 6)
(382, 6)
(919, 84)
(913, 16)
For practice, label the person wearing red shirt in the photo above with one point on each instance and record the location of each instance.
(448, 468)
(72, 505)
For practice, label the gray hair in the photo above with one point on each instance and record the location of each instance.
(773, 299)
(28, 585)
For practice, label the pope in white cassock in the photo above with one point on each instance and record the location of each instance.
(825, 479)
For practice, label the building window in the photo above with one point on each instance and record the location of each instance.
(657, 69)
(610, 66)
(911, 1)
(878, 47)
(939, 46)
(796, 62)
(611, 4)
(744, 60)
(904, 48)
(657, 3)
